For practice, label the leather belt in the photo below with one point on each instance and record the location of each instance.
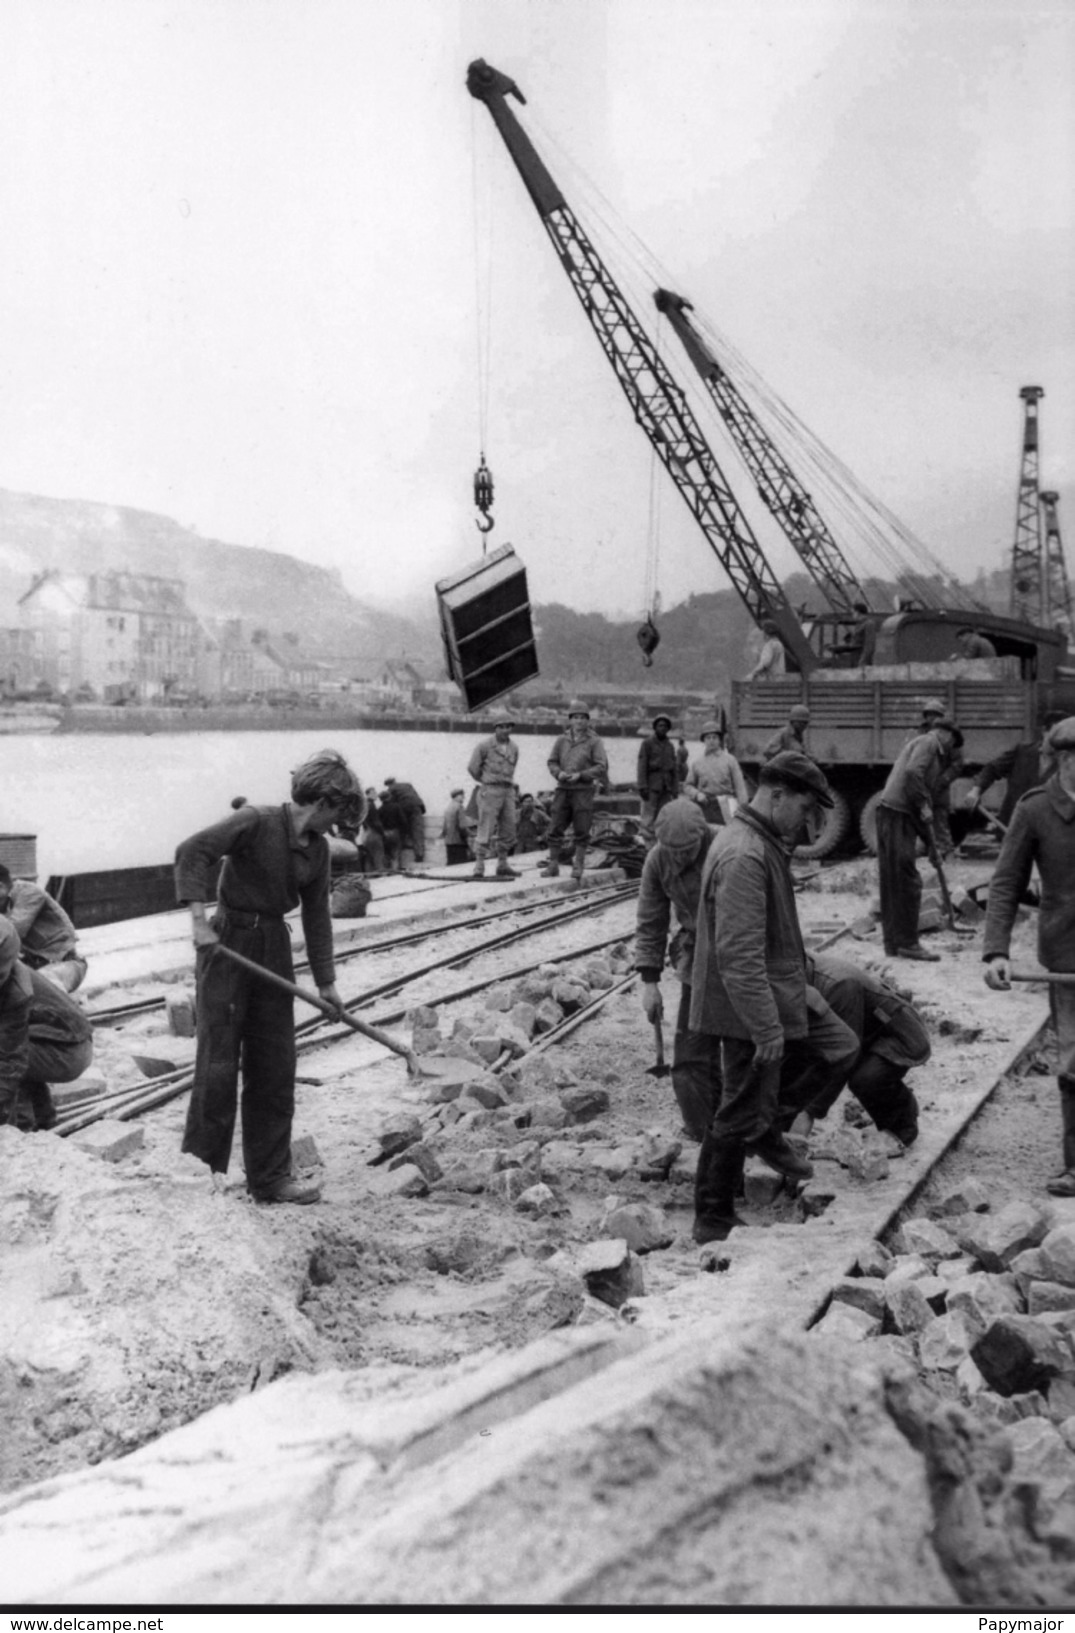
(249, 921)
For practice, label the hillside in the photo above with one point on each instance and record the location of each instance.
(223, 580)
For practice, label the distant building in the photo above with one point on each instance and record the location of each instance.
(123, 635)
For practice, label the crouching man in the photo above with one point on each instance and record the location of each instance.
(750, 989)
(44, 1038)
(672, 880)
(893, 1038)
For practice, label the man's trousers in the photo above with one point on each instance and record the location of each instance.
(898, 876)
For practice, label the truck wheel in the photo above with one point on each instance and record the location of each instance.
(868, 822)
(833, 827)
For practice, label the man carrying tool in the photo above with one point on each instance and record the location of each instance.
(904, 816)
(672, 879)
(275, 857)
(1042, 833)
(579, 765)
(658, 774)
(749, 987)
(492, 765)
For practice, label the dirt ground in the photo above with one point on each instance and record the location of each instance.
(134, 1296)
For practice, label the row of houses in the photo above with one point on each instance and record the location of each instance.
(121, 637)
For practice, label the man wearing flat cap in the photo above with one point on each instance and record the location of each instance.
(904, 816)
(1042, 834)
(658, 774)
(749, 986)
(492, 765)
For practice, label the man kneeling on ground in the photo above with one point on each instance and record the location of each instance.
(44, 1038)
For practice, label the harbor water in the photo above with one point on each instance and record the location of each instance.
(126, 801)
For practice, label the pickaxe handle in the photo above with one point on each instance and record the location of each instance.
(1053, 978)
(317, 1002)
(935, 859)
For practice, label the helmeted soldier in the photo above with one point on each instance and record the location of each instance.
(579, 766)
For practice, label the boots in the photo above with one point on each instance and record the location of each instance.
(479, 863)
(1063, 1184)
(41, 1103)
(552, 866)
(720, 1166)
(505, 871)
(696, 1100)
(579, 863)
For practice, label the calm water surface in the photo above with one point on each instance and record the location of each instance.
(114, 802)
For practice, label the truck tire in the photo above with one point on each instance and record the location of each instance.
(868, 822)
(835, 824)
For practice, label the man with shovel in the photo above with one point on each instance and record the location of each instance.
(672, 880)
(275, 857)
(1042, 833)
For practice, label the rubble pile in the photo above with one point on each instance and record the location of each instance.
(981, 1305)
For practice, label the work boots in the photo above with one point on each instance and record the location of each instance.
(579, 864)
(552, 866)
(1063, 1184)
(716, 1183)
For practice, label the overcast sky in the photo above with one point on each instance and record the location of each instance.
(267, 268)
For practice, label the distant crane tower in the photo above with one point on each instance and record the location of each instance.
(1026, 601)
(1057, 586)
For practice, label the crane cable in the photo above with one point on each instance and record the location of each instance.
(483, 317)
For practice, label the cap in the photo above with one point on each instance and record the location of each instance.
(798, 711)
(794, 770)
(458, 791)
(712, 728)
(10, 947)
(667, 718)
(680, 825)
(933, 705)
(577, 707)
(496, 720)
(1062, 735)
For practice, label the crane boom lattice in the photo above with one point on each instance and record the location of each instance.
(1028, 591)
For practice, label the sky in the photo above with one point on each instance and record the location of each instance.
(267, 268)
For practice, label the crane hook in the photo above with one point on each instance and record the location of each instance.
(649, 639)
(483, 497)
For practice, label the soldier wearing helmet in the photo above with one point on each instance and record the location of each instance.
(579, 766)
(791, 736)
(658, 776)
(716, 776)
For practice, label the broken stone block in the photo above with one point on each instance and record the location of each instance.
(531, 989)
(148, 1065)
(951, 1270)
(445, 1078)
(655, 1154)
(907, 1267)
(1062, 1400)
(407, 1180)
(981, 1298)
(968, 1379)
(1031, 1405)
(499, 998)
(179, 1008)
(547, 1016)
(999, 1238)
(863, 926)
(930, 918)
(612, 1161)
(398, 1132)
(423, 1018)
(1017, 1353)
(908, 1306)
(560, 1157)
(945, 1343)
(457, 1254)
(523, 1016)
(1039, 1453)
(459, 1049)
(868, 1163)
(761, 1186)
(611, 1272)
(570, 995)
(642, 1227)
(585, 1103)
(557, 1304)
(598, 974)
(968, 1196)
(486, 1045)
(425, 1041)
(1026, 1268)
(936, 1292)
(548, 1113)
(538, 1200)
(820, 1193)
(304, 1152)
(864, 1292)
(1049, 1295)
(848, 1322)
(110, 1139)
(872, 1259)
(485, 1092)
(536, 1076)
(510, 1183)
(927, 1239)
(1058, 1255)
(512, 1038)
(422, 1158)
(463, 1029)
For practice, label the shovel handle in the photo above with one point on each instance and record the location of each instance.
(1052, 978)
(317, 1002)
(658, 1034)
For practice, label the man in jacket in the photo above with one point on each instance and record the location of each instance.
(492, 765)
(904, 816)
(658, 777)
(44, 1038)
(749, 986)
(1022, 768)
(792, 736)
(579, 766)
(715, 776)
(892, 1037)
(455, 830)
(672, 882)
(1042, 833)
(46, 933)
(275, 857)
(411, 811)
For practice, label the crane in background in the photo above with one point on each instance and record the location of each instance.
(1040, 592)
(1058, 590)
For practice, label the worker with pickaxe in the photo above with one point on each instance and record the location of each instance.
(672, 881)
(1042, 833)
